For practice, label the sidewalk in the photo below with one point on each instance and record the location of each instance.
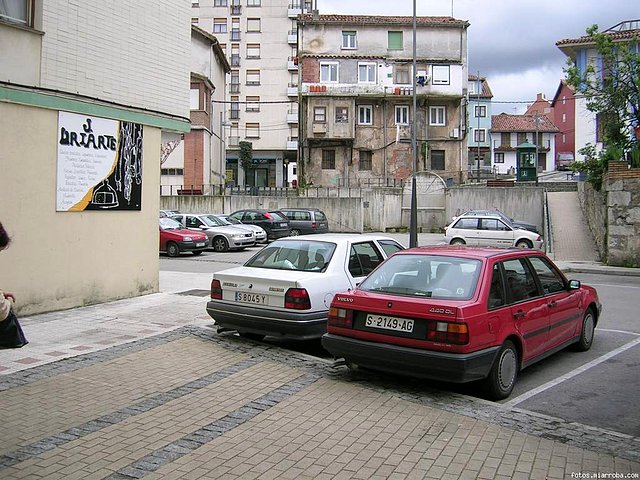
(143, 388)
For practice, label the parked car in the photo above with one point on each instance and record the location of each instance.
(286, 288)
(304, 221)
(516, 223)
(461, 315)
(274, 222)
(175, 239)
(221, 237)
(168, 213)
(491, 230)
(259, 232)
(564, 161)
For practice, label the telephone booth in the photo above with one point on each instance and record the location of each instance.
(526, 165)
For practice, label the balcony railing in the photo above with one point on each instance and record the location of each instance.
(292, 90)
(235, 60)
(292, 143)
(234, 88)
(234, 141)
(236, 9)
(235, 35)
(292, 117)
(292, 63)
(292, 36)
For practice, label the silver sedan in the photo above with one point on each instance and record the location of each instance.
(222, 237)
(260, 233)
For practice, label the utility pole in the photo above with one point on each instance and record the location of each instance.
(413, 220)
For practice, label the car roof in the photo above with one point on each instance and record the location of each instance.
(338, 237)
(301, 208)
(471, 252)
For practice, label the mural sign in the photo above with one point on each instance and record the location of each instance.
(99, 164)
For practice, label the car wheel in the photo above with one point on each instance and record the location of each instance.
(458, 241)
(220, 244)
(524, 244)
(587, 333)
(252, 336)
(172, 249)
(504, 373)
(295, 232)
(197, 253)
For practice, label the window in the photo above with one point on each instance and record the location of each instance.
(521, 284)
(219, 25)
(253, 104)
(402, 74)
(440, 75)
(498, 157)
(194, 21)
(480, 111)
(253, 50)
(219, 3)
(235, 81)
(328, 159)
(505, 139)
(466, 223)
(496, 292)
(473, 87)
(402, 115)
(564, 100)
(252, 130)
(394, 41)
(363, 258)
(522, 137)
(253, 24)
(319, 114)
(367, 72)
(493, 224)
(564, 118)
(172, 171)
(550, 279)
(366, 157)
(194, 99)
(437, 116)
(235, 108)
(342, 115)
(253, 3)
(437, 160)
(349, 40)
(479, 135)
(365, 115)
(253, 77)
(329, 72)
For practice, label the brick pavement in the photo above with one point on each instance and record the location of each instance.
(191, 404)
(572, 239)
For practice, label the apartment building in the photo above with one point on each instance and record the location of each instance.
(85, 98)
(479, 137)
(259, 38)
(564, 117)
(356, 92)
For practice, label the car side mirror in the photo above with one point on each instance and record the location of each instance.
(574, 284)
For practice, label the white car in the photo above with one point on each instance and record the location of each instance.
(286, 289)
(259, 232)
(489, 230)
(221, 237)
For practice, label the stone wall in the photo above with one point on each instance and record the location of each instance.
(595, 211)
(623, 214)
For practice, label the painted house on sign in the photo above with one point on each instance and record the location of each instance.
(509, 131)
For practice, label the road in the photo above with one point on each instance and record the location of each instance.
(596, 388)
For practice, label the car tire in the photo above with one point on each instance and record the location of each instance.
(252, 336)
(524, 244)
(173, 250)
(458, 241)
(587, 331)
(295, 232)
(504, 373)
(197, 253)
(220, 244)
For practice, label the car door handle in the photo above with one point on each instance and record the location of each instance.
(519, 314)
(552, 304)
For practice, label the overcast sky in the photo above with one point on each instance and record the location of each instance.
(511, 42)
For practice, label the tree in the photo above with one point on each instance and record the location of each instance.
(246, 154)
(612, 91)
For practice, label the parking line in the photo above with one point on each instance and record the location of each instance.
(635, 334)
(545, 386)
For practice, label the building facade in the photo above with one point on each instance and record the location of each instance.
(84, 100)
(259, 39)
(510, 131)
(356, 98)
(564, 118)
(479, 128)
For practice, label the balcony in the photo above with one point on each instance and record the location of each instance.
(292, 63)
(292, 90)
(234, 141)
(292, 144)
(234, 88)
(235, 60)
(235, 35)
(292, 37)
(236, 9)
(294, 10)
(292, 117)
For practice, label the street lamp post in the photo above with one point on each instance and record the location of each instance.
(413, 220)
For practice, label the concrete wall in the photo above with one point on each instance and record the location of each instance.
(60, 260)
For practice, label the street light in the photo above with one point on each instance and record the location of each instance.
(413, 219)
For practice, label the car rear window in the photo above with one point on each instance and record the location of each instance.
(302, 255)
(278, 216)
(430, 276)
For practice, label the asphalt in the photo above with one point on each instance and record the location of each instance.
(145, 388)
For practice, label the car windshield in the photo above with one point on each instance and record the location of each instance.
(169, 224)
(429, 276)
(302, 255)
(211, 221)
(225, 220)
(232, 220)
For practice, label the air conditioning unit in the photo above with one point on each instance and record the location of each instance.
(455, 133)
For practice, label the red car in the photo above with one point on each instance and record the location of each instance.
(461, 314)
(174, 239)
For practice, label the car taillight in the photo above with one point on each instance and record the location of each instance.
(340, 317)
(297, 298)
(314, 225)
(216, 290)
(445, 332)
